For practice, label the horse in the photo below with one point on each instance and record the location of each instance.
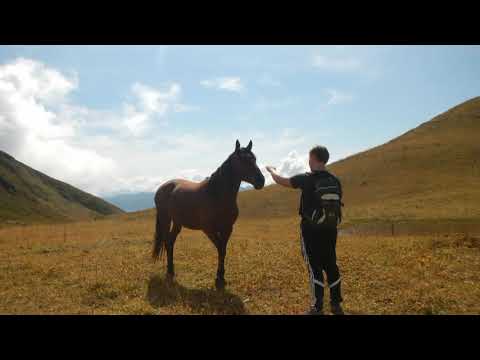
(209, 206)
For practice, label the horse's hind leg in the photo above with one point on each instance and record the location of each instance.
(172, 236)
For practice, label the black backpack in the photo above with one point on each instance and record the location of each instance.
(327, 203)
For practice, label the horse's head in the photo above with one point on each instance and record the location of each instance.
(244, 165)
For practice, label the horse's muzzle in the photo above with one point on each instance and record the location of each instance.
(259, 182)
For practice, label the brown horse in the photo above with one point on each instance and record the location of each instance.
(210, 206)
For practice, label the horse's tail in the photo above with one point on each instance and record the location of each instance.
(159, 240)
(162, 226)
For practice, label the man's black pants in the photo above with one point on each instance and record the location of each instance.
(318, 250)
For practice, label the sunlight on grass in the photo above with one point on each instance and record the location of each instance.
(103, 267)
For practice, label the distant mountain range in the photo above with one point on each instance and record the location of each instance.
(143, 200)
(132, 201)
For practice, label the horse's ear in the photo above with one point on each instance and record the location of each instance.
(249, 146)
(237, 146)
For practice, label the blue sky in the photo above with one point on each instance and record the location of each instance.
(126, 118)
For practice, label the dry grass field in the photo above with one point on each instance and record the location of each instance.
(104, 267)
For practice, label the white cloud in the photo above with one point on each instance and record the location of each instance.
(34, 81)
(233, 84)
(293, 164)
(336, 97)
(156, 101)
(135, 121)
(135, 184)
(152, 103)
(37, 135)
(289, 166)
(340, 64)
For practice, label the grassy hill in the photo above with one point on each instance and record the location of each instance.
(28, 195)
(429, 173)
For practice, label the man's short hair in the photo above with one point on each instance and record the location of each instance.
(320, 153)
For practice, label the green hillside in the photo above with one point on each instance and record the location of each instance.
(28, 195)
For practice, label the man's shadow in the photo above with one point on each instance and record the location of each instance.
(202, 301)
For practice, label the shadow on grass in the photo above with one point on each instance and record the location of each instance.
(162, 292)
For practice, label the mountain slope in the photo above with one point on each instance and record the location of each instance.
(28, 195)
(430, 172)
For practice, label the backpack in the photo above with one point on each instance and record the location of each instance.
(327, 203)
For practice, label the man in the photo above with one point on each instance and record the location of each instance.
(320, 209)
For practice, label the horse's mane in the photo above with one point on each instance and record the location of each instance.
(220, 176)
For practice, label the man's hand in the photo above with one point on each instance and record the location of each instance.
(271, 169)
(277, 178)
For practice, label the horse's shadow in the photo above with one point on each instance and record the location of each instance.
(162, 292)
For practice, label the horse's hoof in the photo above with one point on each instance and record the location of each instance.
(220, 284)
(170, 278)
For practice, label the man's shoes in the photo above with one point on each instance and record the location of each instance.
(314, 311)
(337, 309)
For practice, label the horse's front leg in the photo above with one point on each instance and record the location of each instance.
(222, 238)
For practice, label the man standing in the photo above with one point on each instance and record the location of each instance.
(320, 209)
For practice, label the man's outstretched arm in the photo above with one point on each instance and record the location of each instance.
(280, 180)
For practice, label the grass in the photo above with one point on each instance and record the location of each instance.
(103, 267)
